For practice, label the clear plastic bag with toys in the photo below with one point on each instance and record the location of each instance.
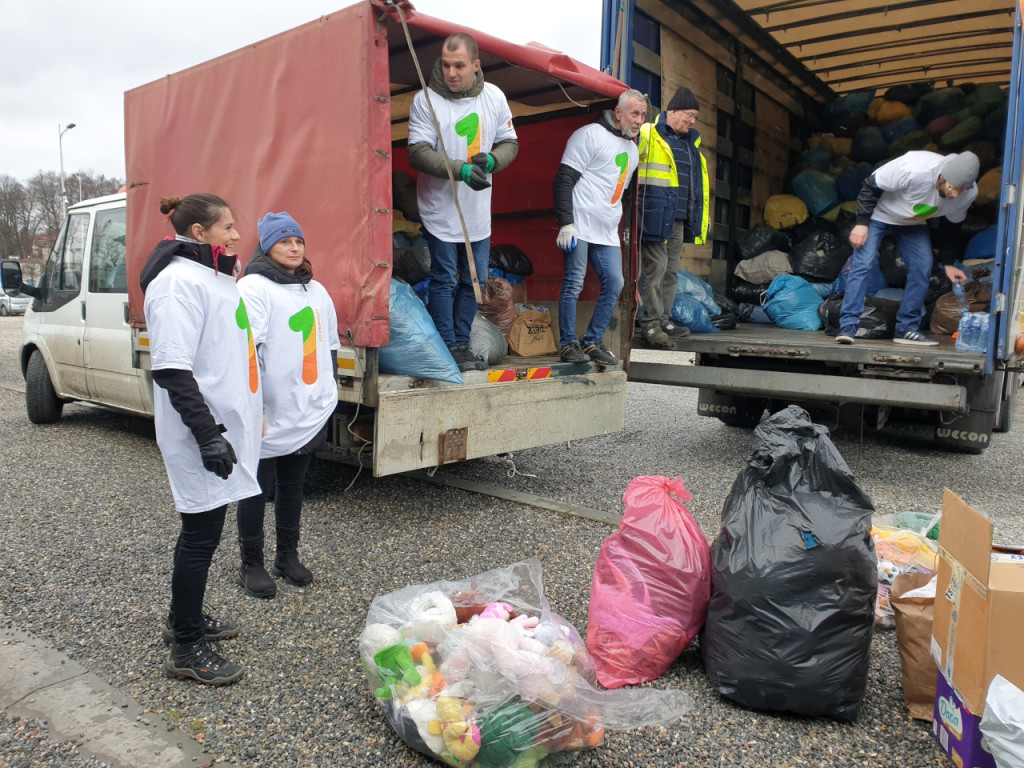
(898, 551)
(482, 672)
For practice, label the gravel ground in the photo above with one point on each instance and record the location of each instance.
(89, 529)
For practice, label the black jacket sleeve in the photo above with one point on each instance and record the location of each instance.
(867, 200)
(565, 180)
(188, 401)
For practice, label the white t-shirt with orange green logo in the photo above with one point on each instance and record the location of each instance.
(294, 328)
(468, 126)
(910, 192)
(607, 163)
(198, 322)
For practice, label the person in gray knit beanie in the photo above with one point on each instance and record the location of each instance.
(898, 199)
(961, 171)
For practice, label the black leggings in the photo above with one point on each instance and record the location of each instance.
(290, 472)
(193, 553)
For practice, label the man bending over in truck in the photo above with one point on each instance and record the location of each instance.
(898, 198)
(597, 166)
(477, 139)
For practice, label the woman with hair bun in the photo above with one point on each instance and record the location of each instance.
(207, 406)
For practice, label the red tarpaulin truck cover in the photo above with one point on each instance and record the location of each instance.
(302, 122)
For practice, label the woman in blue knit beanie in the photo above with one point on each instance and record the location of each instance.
(295, 330)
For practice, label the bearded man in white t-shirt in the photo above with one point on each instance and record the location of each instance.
(477, 136)
(899, 198)
(597, 165)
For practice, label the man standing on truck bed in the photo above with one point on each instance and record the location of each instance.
(476, 136)
(597, 166)
(898, 198)
(673, 195)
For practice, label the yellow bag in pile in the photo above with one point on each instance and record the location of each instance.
(785, 211)
(891, 111)
(836, 146)
(989, 186)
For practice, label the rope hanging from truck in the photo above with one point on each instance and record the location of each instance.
(396, 4)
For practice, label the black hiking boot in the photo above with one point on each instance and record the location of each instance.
(286, 561)
(252, 575)
(200, 662)
(216, 629)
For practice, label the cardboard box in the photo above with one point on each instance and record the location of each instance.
(958, 730)
(979, 606)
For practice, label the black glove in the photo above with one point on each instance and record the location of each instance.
(484, 161)
(218, 456)
(474, 176)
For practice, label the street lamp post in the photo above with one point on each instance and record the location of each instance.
(79, 177)
(60, 142)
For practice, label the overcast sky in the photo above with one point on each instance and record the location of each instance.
(68, 61)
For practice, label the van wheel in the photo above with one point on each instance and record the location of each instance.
(3, 310)
(44, 407)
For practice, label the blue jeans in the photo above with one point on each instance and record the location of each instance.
(452, 304)
(607, 263)
(915, 246)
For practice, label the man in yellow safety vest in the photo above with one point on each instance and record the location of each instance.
(673, 178)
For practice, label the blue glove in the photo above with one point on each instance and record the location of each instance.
(566, 239)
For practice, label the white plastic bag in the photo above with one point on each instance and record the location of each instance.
(1003, 723)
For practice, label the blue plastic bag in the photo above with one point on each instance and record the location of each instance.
(687, 282)
(982, 245)
(687, 310)
(817, 189)
(416, 348)
(792, 302)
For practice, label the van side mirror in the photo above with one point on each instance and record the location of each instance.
(10, 276)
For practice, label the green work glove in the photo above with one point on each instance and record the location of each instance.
(484, 160)
(474, 177)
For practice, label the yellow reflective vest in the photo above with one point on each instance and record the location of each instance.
(659, 184)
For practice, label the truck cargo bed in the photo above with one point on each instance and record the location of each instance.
(756, 340)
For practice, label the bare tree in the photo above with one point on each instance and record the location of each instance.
(31, 212)
(15, 219)
(44, 193)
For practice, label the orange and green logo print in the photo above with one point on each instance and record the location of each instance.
(304, 322)
(922, 211)
(622, 161)
(469, 129)
(242, 318)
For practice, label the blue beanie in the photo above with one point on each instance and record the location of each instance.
(277, 226)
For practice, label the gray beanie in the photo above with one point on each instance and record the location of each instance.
(960, 170)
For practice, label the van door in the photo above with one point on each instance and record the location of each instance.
(61, 307)
(107, 344)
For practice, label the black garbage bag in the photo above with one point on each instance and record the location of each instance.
(819, 257)
(759, 239)
(877, 321)
(411, 264)
(793, 577)
(725, 321)
(509, 258)
(748, 293)
(890, 261)
(811, 226)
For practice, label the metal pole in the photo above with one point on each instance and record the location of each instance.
(60, 144)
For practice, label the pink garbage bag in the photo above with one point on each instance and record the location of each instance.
(652, 583)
